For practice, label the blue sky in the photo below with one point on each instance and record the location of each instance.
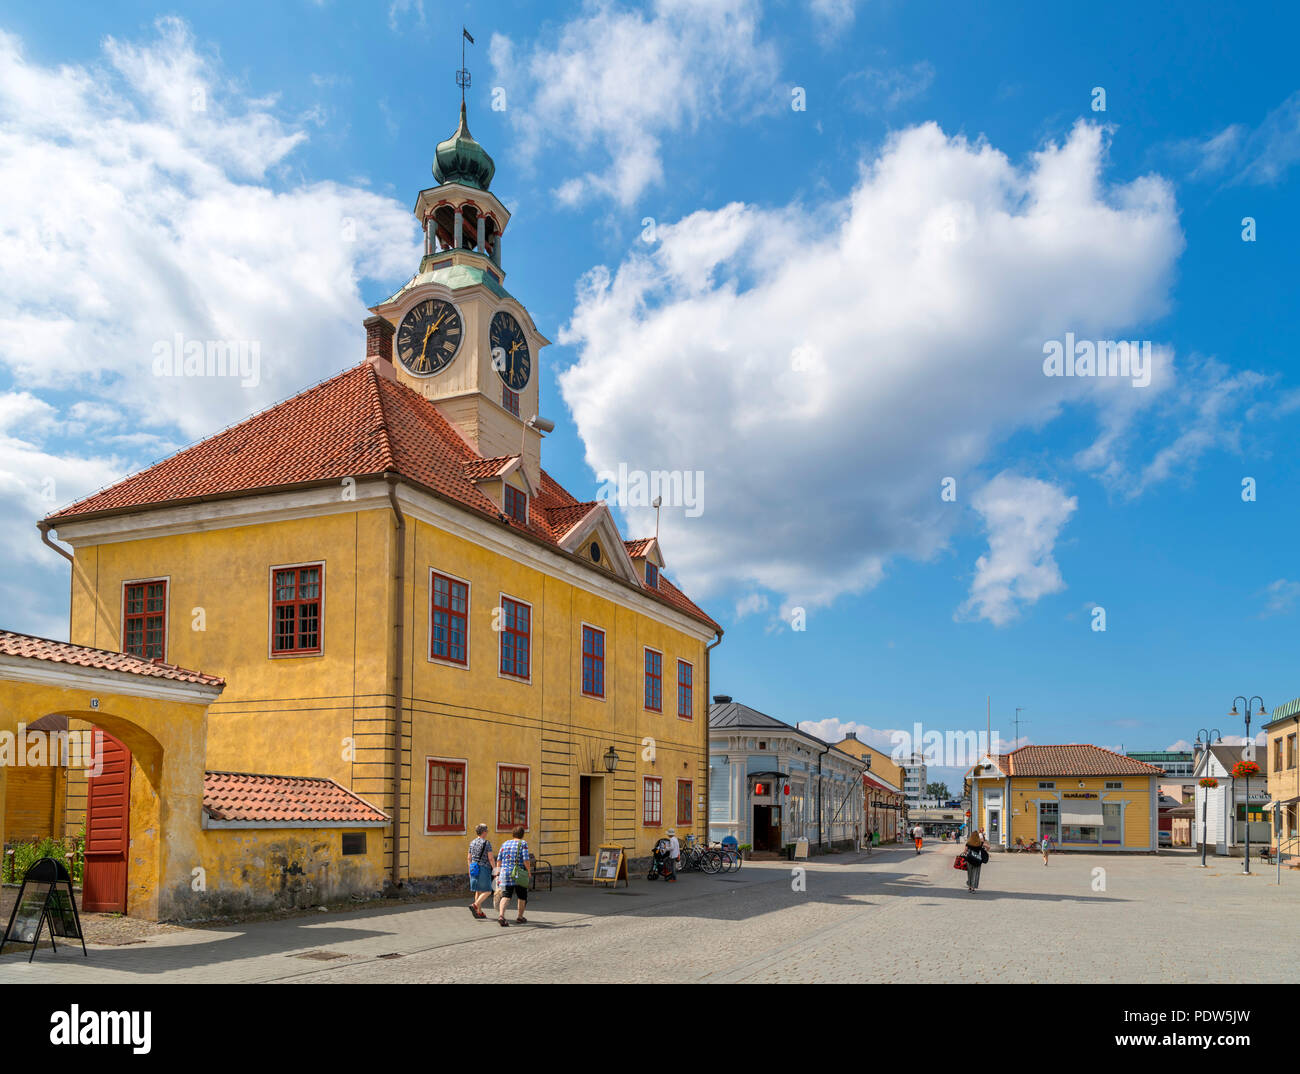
(843, 304)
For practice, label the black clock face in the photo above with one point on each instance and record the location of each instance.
(510, 357)
(429, 337)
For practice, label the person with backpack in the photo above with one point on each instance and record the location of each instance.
(513, 876)
(481, 864)
(976, 855)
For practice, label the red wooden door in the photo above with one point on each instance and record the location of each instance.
(108, 830)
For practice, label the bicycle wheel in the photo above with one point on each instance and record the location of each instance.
(735, 861)
(711, 862)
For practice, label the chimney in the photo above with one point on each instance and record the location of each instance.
(851, 734)
(722, 699)
(379, 346)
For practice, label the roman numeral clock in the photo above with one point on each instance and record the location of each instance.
(459, 337)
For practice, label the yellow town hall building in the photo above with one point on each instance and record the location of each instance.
(398, 596)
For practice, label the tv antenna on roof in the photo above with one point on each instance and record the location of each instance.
(1015, 741)
(462, 76)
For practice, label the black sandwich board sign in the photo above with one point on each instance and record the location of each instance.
(611, 867)
(45, 896)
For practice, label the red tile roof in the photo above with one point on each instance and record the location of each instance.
(245, 796)
(1072, 760)
(356, 424)
(61, 652)
(638, 548)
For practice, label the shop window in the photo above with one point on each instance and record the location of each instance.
(1080, 833)
(685, 802)
(144, 620)
(516, 638)
(512, 797)
(297, 593)
(593, 662)
(449, 618)
(446, 796)
(652, 801)
(685, 690)
(1112, 829)
(654, 680)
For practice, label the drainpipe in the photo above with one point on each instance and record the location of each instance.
(821, 835)
(44, 527)
(399, 686)
(708, 700)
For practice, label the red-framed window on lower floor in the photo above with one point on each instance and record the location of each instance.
(685, 690)
(512, 797)
(144, 619)
(446, 812)
(654, 680)
(652, 801)
(297, 595)
(685, 803)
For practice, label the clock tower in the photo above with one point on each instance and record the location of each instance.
(453, 332)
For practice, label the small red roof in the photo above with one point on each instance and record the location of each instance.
(61, 652)
(1073, 760)
(246, 796)
(356, 424)
(638, 548)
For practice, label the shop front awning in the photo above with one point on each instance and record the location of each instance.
(1085, 813)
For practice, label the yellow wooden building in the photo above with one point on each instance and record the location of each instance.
(399, 597)
(1085, 797)
(1282, 765)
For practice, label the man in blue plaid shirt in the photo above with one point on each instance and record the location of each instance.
(513, 853)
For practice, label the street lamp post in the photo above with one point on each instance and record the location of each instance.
(1250, 747)
(1215, 735)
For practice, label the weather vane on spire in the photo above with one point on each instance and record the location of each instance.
(462, 76)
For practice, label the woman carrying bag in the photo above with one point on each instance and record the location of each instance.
(976, 856)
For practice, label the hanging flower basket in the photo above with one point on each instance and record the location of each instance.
(1209, 783)
(1244, 770)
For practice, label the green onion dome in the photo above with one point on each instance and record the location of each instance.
(460, 159)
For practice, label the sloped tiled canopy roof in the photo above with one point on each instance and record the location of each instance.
(61, 652)
(356, 424)
(246, 797)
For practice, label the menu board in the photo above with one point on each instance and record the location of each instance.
(46, 895)
(25, 925)
(611, 866)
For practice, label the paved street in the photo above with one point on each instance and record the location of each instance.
(887, 916)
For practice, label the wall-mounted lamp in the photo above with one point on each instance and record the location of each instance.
(611, 760)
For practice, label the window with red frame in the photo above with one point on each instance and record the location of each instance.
(510, 400)
(450, 618)
(652, 802)
(296, 601)
(654, 681)
(516, 504)
(593, 662)
(144, 620)
(516, 637)
(651, 575)
(685, 690)
(512, 797)
(446, 796)
(685, 802)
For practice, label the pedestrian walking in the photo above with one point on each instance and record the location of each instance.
(918, 833)
(674, 853)
(513, 876)
(481, 863)
(1047, 845)
(976, 855)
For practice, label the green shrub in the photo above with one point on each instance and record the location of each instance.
(28, 854)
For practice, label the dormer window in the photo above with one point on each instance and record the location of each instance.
(651, 575)
(516, 504)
